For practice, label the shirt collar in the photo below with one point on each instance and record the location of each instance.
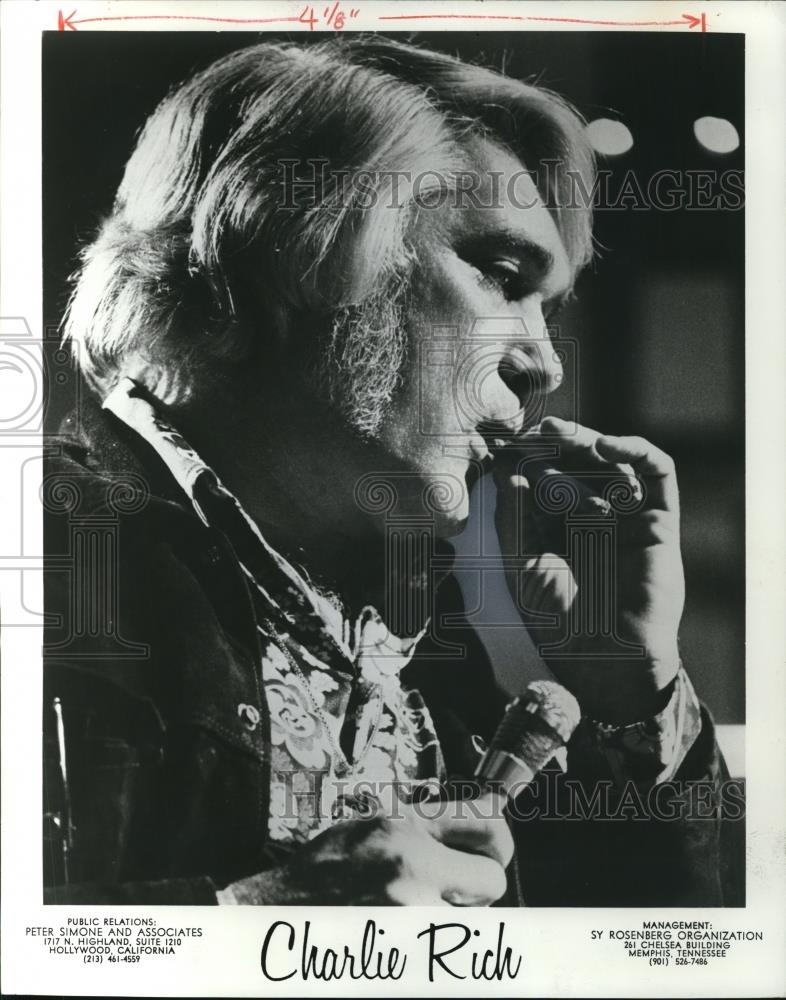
(366, 643)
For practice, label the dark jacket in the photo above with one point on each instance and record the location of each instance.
(152, 652)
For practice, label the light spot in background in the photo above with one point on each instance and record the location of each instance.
(608, 137)
(716, 134)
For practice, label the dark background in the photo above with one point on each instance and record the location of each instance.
(659, 318)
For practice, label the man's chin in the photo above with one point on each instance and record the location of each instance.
(451, 519)
(450, 525)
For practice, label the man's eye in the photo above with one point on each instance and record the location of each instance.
(504, 275)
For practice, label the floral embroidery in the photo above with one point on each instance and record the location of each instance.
(274, 664)
(390, 758)
(292, 724)
(377, 765)
(321, 682)
(282, 821)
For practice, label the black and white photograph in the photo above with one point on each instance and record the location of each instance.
(343, 293)
(394, 462)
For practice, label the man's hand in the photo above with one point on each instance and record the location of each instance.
(453, 858)
(649, 577)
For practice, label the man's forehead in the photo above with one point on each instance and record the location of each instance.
(508, 204)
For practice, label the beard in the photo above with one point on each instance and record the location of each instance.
(358, 363)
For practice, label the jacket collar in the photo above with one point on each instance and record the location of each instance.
(129, 434)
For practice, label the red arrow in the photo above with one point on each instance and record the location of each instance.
(65, 22)
(687, 19)
(68, 22)
(690, 20)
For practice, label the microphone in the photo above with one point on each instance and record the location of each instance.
(535, 726)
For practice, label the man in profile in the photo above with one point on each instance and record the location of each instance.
(266, 664)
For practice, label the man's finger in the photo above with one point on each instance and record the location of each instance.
(580, 443)
(466, 879)
(411, 892)
(654, 466)
(462, 877)
(477, 826)
(573, 436)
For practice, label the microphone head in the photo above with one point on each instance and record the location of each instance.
(536, 724)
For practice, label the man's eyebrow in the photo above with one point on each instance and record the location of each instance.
(486, 245)
(540, 264)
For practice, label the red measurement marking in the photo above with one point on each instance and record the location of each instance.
(335, 16)
(307, 17)
(452, 17)
(70, 21)
(687, 19)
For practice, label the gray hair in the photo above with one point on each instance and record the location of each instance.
(207, 255)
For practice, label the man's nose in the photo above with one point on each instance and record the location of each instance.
(531, 367)
(528, 368)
